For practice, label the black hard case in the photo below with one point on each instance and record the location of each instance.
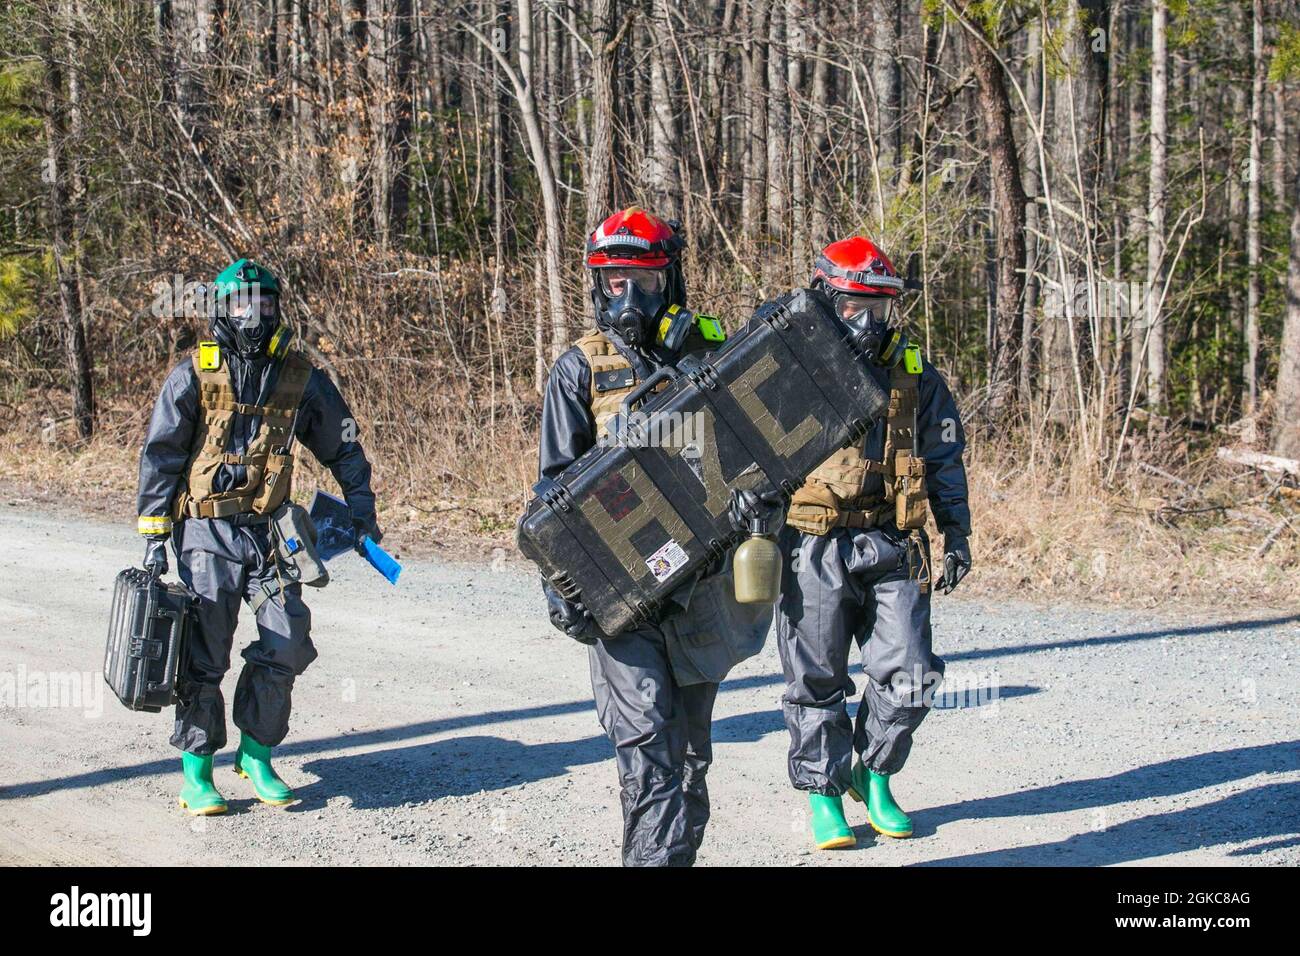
(148, 632)
(775, 401)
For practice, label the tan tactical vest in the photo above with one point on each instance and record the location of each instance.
(833, 495)
(612, 376)
(269, 467)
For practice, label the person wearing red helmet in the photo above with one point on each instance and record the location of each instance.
(654, 686)
(857, 567)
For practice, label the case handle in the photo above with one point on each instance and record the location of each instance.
(169, 669)
(638, 395)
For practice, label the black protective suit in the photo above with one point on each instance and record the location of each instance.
(226, 560)
(654, 686)
(860, 586)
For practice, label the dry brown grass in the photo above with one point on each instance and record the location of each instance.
(1047, 527)
(452, 476)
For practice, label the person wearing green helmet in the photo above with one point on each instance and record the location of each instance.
(246, 308)
(216, 465)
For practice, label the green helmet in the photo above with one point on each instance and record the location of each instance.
(246, 297)
(245, 274)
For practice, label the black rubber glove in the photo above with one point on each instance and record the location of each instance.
(155, 556)
(746, 506)
(366, 528)
(956, 561)
(570, 617)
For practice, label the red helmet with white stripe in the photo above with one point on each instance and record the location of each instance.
(636, 272)
(863, 287)
(633, 237)
(858, 267)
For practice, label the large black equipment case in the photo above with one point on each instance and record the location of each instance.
(635, 517)
(148, 632)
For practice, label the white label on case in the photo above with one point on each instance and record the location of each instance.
(666, 560)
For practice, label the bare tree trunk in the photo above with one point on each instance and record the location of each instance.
(539, 327)
(502, 38)
(1279, 145)
(1008, 200)
(1250, 386)
(553, 71)
(1077, 121)
(887, 80)
(381, 76)
(796, 13)
(1239, 106)
(520, 78)
(64, 213)
(440, 202)
(192, 38)
(583, 108)
(1155, 334)
(600, 172)
(819, 228)
(663, 184)
(271, 59)
(1286, 434)
(1136, 219)
(753, 194)
(399, 190)
(358, 127)
(778, 139)
(1033, 188)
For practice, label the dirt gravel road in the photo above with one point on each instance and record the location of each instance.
(446, 723)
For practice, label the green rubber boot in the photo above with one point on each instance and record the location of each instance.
(253, 763)
(199, 795)
(830, 830)
(883, 813)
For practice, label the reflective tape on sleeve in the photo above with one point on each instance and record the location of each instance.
(154, 524)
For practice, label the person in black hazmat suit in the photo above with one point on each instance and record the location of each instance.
(654, 685)
(216, 464)
(857, 564)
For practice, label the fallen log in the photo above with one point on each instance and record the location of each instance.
(1260, 461)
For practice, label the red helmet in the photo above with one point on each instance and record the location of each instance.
(857, 266)
(633, 237)
(636, 240)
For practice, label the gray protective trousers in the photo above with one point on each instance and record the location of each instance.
(661, 731)
(224, 564)
(853, 586)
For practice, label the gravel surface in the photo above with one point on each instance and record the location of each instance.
(446, 723)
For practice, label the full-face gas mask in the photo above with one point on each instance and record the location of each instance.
(634, 302)
(246, 319)
(871, 321)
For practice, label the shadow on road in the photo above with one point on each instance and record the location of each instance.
(1200, 630)
(1271, 810)
(107, 775)
(318, 745)
(748, 728)
(421, 773)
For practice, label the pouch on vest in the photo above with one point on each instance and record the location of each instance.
(910, 494)
(814, 510)
(295, 542)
